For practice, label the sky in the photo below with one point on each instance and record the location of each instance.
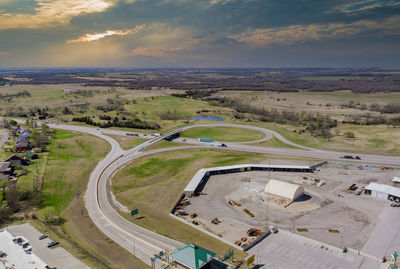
(199, 33)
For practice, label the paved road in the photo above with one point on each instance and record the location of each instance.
(141, 242)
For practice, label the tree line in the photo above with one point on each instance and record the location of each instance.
(116, 122)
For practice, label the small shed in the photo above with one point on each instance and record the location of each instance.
(284, 189)
(192, 256)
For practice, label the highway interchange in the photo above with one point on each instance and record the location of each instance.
(139, 241)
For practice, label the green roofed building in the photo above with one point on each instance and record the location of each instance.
(192, 256)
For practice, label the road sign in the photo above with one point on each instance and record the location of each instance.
(395, 255)
(135, 212)
(250, 260)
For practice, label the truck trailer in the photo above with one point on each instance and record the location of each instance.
(205, 140)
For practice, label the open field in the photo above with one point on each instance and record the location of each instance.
(149, 105)
(370, 139)
(225, 134)
(127, 142)
(154, 183)
(35, 170)
(327, 103)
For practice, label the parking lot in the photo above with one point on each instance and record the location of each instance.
(286, 251)
(55, 257)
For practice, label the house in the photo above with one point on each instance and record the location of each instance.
(24, 137)
(17, 160)
(5, 170)
(22, 147)
(192, 256)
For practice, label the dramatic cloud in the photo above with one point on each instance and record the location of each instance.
(97, 36)
(164, 40)
(295, 33)
(50, 13)
(359, 6)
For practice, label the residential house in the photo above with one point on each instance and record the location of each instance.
(22, 147)
(17, 160)
(5, 170)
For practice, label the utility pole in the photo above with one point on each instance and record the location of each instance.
(269, 179)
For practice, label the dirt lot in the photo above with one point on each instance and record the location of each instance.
(328, 207)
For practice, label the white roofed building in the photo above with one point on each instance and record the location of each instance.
(284, 189)
(382, 191)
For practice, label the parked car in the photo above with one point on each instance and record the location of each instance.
(358, 158)
(52, 244)
(43, 236)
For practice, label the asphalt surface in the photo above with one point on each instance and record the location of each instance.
(141, 242)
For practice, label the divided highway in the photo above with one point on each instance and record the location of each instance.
(141, 242)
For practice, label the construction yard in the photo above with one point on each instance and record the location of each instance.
(332, 209)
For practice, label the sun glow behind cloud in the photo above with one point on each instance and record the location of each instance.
(52, 13)
(97, 36)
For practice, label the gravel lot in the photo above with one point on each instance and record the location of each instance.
(330, 206)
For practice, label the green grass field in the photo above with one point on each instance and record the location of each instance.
(274, 142)
(225, 134)
(154, 183)
(71, 159)
(127, 142)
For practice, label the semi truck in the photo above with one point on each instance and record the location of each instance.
(205, 140)
(218, 145)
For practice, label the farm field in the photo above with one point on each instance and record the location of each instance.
(328, 103)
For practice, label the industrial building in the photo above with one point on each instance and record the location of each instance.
(16, 252)
(191, 256)
(383, 191)
(284, 189)
(202, 175)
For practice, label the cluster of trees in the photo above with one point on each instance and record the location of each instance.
(113, 104)
(10, 96)
(116, 122)
(40, 137)
(15, 200)
(195, 94)
(3, 81)
(168, 115)
(315, 123)
(384, 109)
(368, 119)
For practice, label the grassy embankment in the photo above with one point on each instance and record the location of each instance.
(127, 142)
(225, 134)
(71, 159)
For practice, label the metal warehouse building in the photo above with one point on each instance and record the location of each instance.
(202, 175)
(284, 189)
(383, 191)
